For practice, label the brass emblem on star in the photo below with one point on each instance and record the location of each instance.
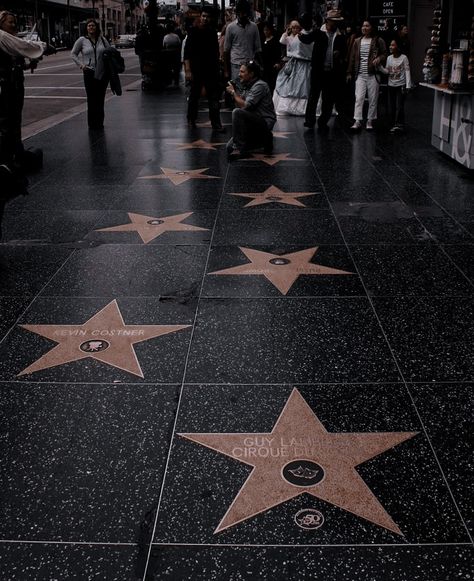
(149, 228)
(309, 519)
(274, 195)
(282, 270)
(199, 144)
(177, 176)
(299, 456)
(104, 337)
(274, 158)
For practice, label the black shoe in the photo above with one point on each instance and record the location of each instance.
(30, 160)
(323, 122)
(268, 144)
(234, 156)
(13, 184)
(218, 129)
(230, 147)
(7, 181)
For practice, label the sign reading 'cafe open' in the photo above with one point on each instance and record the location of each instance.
(388, 8)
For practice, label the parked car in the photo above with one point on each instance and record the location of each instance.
(125, 41)
(26, 35)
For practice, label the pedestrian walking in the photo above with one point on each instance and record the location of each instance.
(172, 49)
(368, 52)
(328, 61)
(254, 116)
(271, 55)
(242, 41)
(399, 83)
(88, 54)
(201, 69)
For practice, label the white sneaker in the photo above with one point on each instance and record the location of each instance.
(357, 125)
(369, 125)
(396, 129)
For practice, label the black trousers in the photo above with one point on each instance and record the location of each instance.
(330, 85)
(11, 107)
(174, 64)
(250, 130)
(2, 207)
(12, 183)
(95, 91)
(396, 104)
(211, 85)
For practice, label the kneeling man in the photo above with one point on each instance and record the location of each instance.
(254, 116)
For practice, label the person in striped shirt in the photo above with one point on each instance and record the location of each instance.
(367, 54)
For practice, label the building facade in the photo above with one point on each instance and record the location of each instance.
(62, 21)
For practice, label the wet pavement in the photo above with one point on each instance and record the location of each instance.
(256, 369)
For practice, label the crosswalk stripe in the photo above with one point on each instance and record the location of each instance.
(52, 97)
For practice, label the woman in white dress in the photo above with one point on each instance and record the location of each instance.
(293, 82)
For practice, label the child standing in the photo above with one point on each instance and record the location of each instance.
(399, 81)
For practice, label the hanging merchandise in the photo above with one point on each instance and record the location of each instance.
(445, 68)
(470, 70)
(432, 62)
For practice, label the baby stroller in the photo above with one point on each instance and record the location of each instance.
(153, 68)
(156, 70)
(150, 69)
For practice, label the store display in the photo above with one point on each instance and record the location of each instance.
(432, 62)
(458, 70)
(470, 70)
(446, 68)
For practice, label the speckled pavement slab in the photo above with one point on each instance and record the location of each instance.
(257, 369)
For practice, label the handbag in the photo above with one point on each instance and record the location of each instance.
(289, 67)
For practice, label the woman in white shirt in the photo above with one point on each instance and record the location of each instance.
(91, 61)
(294, 79)
(399, 81)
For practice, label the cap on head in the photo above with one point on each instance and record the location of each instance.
(334, 15)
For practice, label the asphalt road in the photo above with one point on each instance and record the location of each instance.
(55, 91)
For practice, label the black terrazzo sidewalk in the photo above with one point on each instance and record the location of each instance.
(173, 409)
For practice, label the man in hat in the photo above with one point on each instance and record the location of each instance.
(327, 68)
